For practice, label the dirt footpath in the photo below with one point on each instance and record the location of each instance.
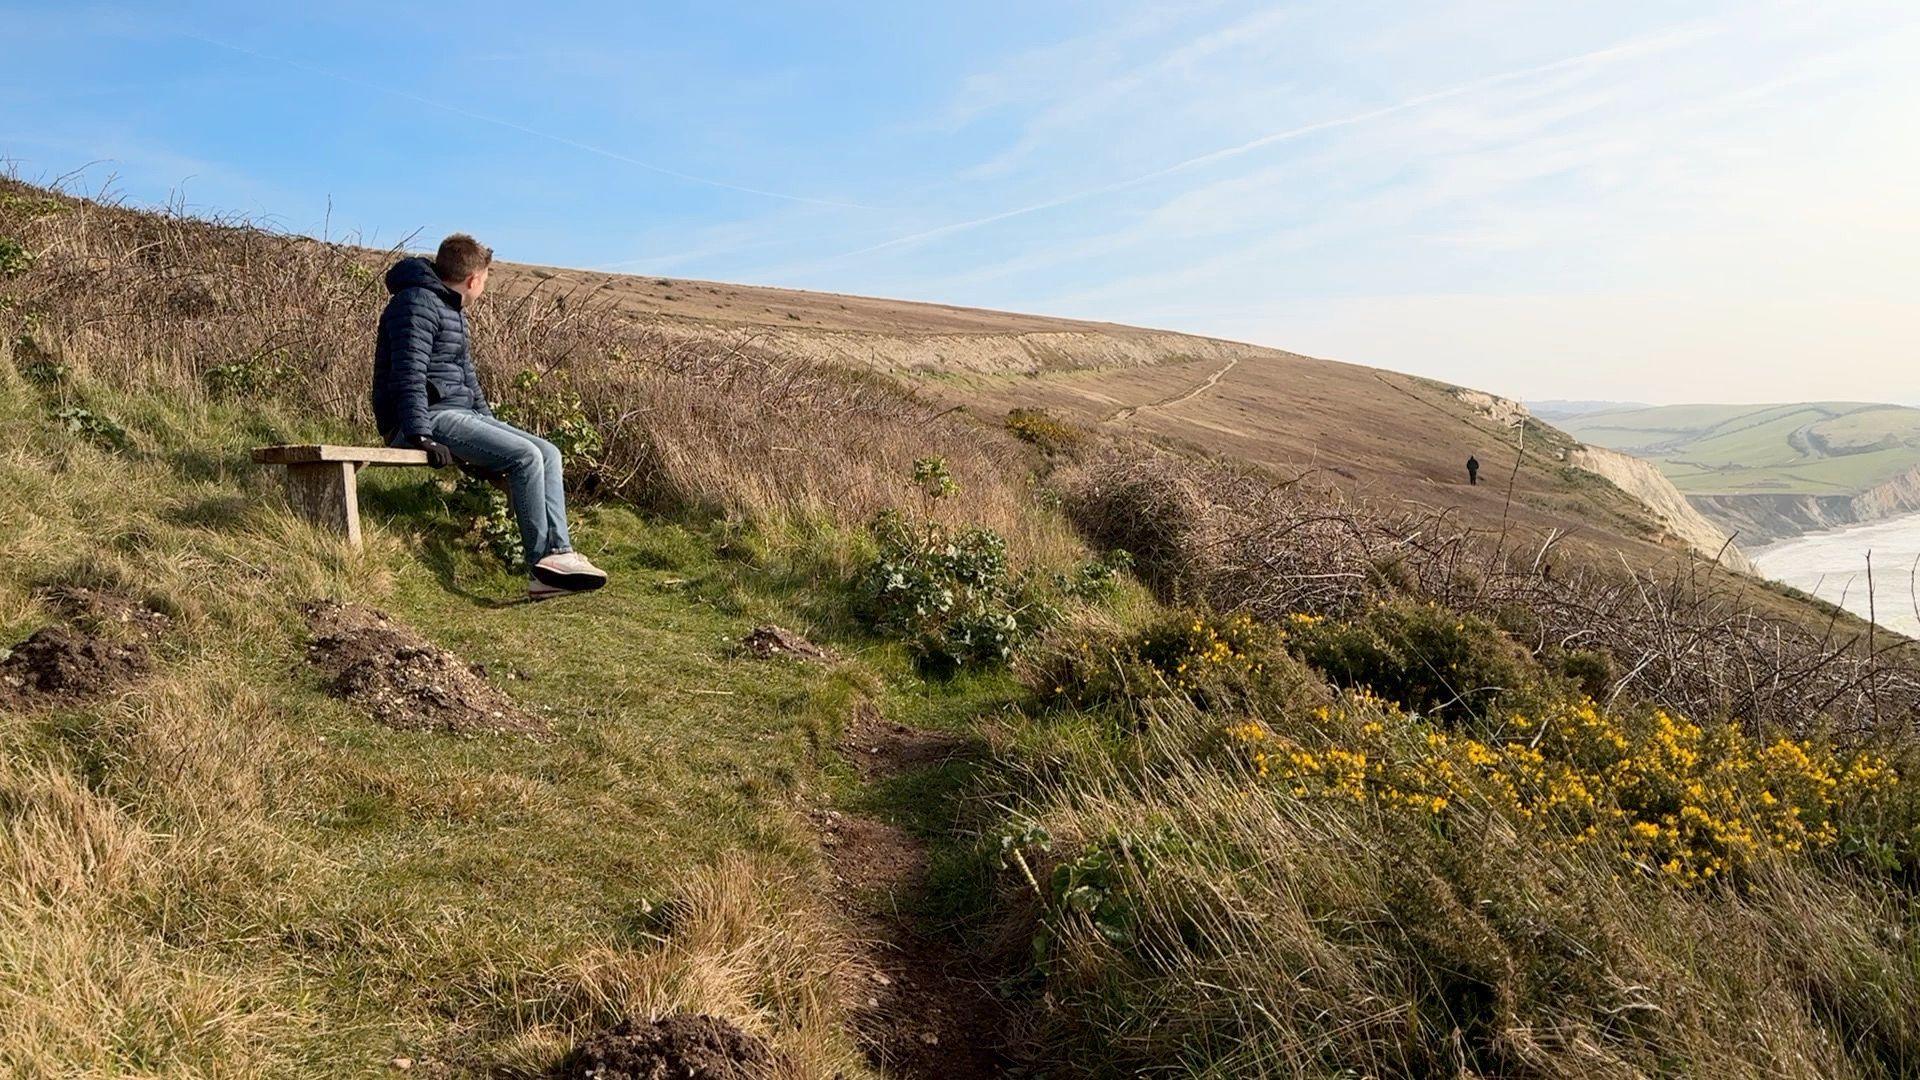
(930, 1013)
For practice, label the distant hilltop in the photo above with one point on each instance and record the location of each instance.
(1561, 409)
(1769, 472)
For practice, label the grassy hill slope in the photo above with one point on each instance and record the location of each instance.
(1816, 448)
(222, 870)
(1373, 434)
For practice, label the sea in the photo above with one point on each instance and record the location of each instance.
(1832, 565)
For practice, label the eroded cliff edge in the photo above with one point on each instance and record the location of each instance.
(1768, 519)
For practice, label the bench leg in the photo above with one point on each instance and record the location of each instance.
(328, 495)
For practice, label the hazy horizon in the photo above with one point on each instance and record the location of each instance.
(1539, 403)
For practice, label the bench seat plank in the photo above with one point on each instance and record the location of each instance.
(359, 455)
(321, 482)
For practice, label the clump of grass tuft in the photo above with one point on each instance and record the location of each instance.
(743, 938)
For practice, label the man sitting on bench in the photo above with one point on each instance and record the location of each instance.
(427, 396)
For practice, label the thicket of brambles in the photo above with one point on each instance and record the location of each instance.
(1341, 790)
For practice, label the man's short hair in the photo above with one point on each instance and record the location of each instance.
(460, 257)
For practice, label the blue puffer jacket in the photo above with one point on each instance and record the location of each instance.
(421, 363)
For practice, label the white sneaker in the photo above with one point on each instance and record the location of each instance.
(569, 571)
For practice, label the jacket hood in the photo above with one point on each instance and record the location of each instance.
(417, 272)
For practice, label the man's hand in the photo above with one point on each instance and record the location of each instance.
(438, 456)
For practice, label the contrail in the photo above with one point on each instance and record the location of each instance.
(1641, 46)
(575, 144)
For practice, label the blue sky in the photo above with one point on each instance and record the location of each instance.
(1651, 201)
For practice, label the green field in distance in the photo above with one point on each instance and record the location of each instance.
(1812, 448)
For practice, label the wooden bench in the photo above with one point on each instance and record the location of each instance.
(322, 481)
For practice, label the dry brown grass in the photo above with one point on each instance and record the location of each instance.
(746, 940)
(151, 816)
(83, 976)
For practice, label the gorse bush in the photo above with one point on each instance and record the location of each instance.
(1423, 656)
(1044, 430)
(1663, 795)
(1203, 658)
(1361, 892)
(1192, 654)
(1590, 671)
(1539, 885)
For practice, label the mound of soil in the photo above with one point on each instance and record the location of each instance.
(684, 1046)
(108, 612)
(402, 679)
(770, 641)
(61, 663)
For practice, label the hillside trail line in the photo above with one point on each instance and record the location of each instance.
(1199, 388)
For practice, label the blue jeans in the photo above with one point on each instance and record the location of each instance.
(531, 465)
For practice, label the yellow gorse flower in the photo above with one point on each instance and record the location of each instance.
(1670, 797)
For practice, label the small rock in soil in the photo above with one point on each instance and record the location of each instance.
(684, 1046)
(404, 680)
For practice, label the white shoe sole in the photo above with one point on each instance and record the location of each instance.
(560, 579)
(540, 590)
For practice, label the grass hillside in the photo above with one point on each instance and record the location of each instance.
(1373, 434)
(1099, 758)
(1817, 448)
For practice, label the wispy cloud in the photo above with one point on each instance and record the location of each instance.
(1087, 94)
(1638, 47)
(1049, 76)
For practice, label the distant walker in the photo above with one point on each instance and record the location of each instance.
(1473, 469)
